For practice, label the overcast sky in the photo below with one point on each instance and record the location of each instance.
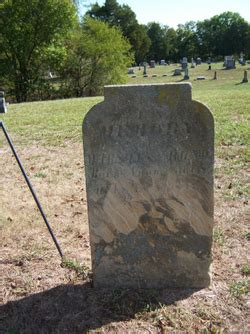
(174, 12)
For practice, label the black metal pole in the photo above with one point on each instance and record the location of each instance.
(31, 188)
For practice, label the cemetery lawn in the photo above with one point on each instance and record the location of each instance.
(40, 294)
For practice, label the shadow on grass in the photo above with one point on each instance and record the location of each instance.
(240, 83)
(79, 308)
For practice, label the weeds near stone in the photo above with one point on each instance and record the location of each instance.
(79, 269)
(218, 236)
(239, 288)
(245, 270)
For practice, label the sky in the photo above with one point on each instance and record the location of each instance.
(173, 12)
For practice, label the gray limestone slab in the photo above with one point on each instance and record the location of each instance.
(149, 155)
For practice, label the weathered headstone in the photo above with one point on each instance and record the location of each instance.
(198, 61)
(131, 71)
(152, 63)
(245, 79)
(184, 63)
(3, 106)
(144, 69)
(215, 75)
(149, 152)
(200, 77)
(177, 71)
(229, 62)
(163, 62)
(186, 75)
(242, 61)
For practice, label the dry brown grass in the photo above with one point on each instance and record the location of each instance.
(38, 295)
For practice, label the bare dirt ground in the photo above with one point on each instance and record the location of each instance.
(39, 295)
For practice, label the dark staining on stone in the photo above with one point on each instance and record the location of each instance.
(176, 200)
(153, 239)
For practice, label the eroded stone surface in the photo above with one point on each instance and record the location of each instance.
(149, 171)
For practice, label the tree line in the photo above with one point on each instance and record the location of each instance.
(47, 51)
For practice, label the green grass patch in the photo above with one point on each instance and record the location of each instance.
(245, 269)
(240, 288)
(74, 265)
(218, 236)
(49, 123)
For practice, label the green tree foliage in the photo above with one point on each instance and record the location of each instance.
(186, 41)
(224, 34)
(97, 54)
(29, 30)
(157, 35)
(124, 18)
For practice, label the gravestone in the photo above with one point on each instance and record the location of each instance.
(186, 75)
(149, 152)
(229, 62)
(144, 69)
(215, 75)
(193, 63)
(245, 79)
(184, 63)
(3, 106)
(242, 61)
(131, 71)
(177, 71)
(152, 63)
(198, 61)
(200, 77)
(163, 62)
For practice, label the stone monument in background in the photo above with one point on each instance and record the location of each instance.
(149, 155)
(3, 107)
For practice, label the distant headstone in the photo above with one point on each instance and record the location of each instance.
(149, 153)
(154, 75)
(192, 63)
(245, 79)
(163, 62)
(177, 71)
(200, 78)
(184, 63)
(186, 75)
(152, 63)
(215, 75)
(3, 106)
(229, 62)
(198, 61)
(131, 71)
(144, 69)
(145, 75)
(242, 61)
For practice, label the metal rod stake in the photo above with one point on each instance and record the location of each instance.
(31, 188)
